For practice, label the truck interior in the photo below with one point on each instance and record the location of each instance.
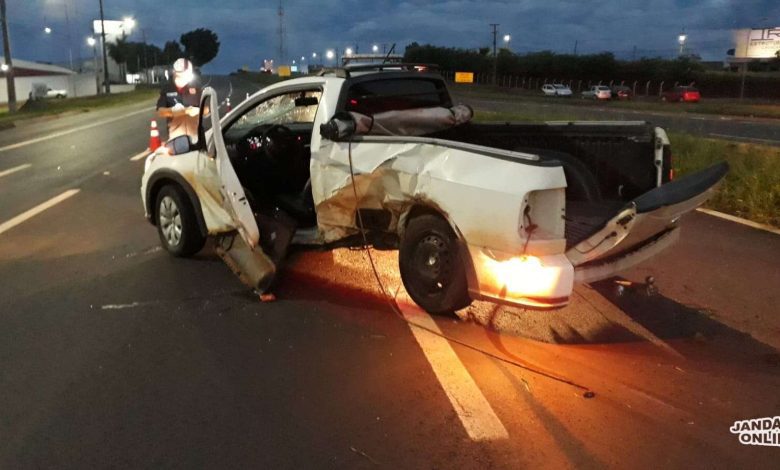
(269, 148)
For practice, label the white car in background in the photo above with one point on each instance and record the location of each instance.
(598, 92)
(556, 89)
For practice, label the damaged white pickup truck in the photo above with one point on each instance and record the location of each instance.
(505, 212)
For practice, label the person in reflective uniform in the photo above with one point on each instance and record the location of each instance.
(179, 101)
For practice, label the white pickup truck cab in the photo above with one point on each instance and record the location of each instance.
(513, 213)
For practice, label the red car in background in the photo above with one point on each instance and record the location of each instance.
(686, 94)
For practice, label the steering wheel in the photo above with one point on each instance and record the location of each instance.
(277, 142)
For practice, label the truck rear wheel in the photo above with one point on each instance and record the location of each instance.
(431, 267)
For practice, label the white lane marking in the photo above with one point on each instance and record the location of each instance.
(14, 169)
(140, 156)
(27, 215)
(120, 306)
(70, 131)
(473, 409)
(752, 139)
(740, 220)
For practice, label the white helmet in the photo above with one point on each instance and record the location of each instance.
(182, 65)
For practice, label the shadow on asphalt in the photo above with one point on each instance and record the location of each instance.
(672, 321)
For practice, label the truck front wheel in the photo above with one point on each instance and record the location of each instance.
(176, 223)
(431, 267)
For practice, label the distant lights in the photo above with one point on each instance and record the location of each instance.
(375, 48)
(329, 54)
(47, 30)
(91, 41)
(507, 38)
(348, 51)
(4, 67)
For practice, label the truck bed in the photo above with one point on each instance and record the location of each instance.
(619, 155)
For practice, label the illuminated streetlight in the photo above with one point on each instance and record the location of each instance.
(681, 40)
(4, 67)
(313, 55)
(375, 48)
(91, 41)
(507, 38)
(348, 51)
(303, 58)
(329, 54)
(128, 24)
(47, 30)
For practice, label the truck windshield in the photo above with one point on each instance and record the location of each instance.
(377, 96)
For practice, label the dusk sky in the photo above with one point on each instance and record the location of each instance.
(248, 29)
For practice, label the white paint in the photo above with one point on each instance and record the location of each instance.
(473, 409)
(14, 169)
(54, 135)
(120, 306)
(740, 220)
(751, 139)
(140, 155)
(24, 216)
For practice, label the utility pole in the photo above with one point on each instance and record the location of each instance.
(495, 53)
(633, 54)
(9, 74)
(281, 33)
(146, 63)
(103, 44)
(575, 46)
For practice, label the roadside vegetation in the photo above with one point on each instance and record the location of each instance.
(751, 189)
(55, 106)
(719, 106)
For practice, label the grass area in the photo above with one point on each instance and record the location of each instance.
(719, 106)
(85, 104)
(752, 186)
(751, 189)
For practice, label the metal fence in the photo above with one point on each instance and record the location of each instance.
(762, 89)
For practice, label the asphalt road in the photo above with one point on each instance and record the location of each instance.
(754, 130)
(114, 354)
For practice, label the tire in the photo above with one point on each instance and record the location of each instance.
(431, 267)
(176, 223)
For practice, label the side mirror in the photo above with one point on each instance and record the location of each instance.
(179, 145)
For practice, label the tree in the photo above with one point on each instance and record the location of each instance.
(171, 51)
(200, 45)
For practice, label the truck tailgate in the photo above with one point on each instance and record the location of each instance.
(646, 216)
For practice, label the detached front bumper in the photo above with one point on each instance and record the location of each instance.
(527, 281)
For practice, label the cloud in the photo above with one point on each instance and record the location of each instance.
(248, 29)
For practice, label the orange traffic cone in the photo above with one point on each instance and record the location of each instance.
(154, 137)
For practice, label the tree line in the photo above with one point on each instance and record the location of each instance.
(596, 67)
(200, 46)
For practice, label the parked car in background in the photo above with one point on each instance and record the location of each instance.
(556, 89)
(686, 94)
(42, 91)
(622, 92)
(597, 92)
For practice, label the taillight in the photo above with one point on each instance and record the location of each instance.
(668, 165)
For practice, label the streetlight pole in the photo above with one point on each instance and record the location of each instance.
(495, 53)
(103, 45)
(93, 43)
(681, 40)
(9, 73)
